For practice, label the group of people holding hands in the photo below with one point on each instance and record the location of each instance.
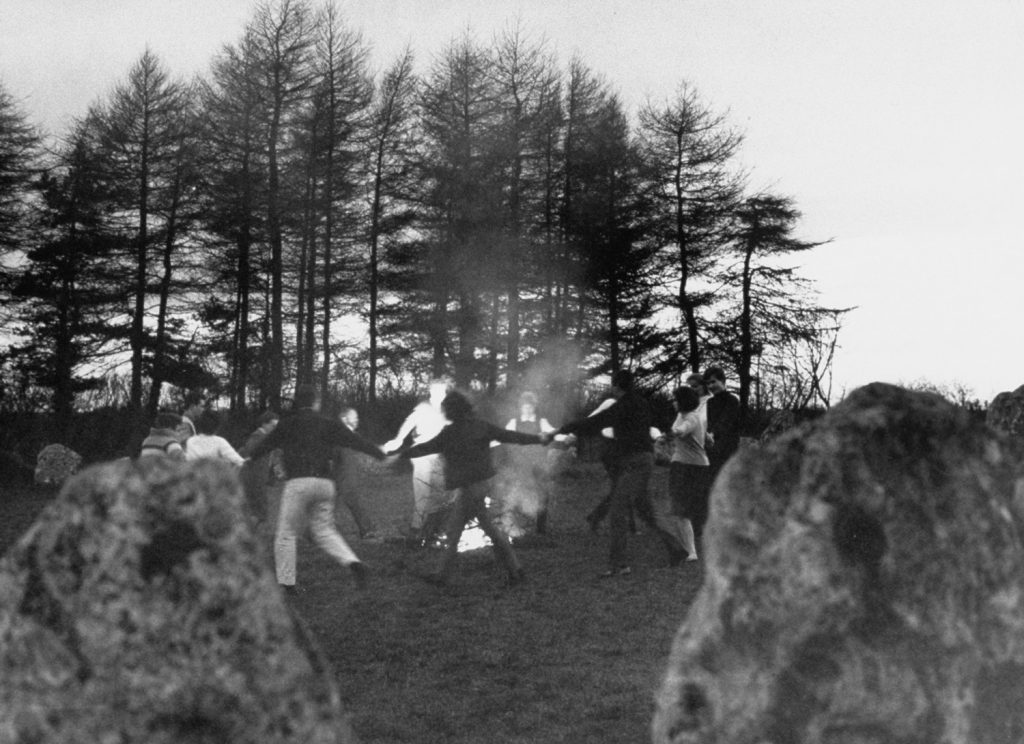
(453, 469)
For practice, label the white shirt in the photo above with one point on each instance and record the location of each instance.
(211, 447)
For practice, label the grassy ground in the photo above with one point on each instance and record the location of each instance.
(566, 657)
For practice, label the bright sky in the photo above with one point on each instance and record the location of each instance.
(896, 127)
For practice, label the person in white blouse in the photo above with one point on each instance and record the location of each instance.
(531, 489)
(688, 471)
(428, 492)
(207, 444)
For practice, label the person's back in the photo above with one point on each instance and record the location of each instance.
(304, 438)
(163, 439)
(206, 444)
(466, 449)
(632, 422)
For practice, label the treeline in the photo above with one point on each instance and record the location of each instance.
(292, 216)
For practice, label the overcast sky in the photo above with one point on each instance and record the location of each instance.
(894, 124)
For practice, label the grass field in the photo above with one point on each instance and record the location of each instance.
(566, 657)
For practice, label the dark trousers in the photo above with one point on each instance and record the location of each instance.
(690, 487)
(631, 476)
(599, 512)
(471, 503)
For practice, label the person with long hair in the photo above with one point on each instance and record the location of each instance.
(465, 448)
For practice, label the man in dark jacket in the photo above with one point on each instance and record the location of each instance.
(723, 409)
(307, 440)
(630, 461)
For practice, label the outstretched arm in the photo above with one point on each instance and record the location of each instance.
(345, 437)
(407, 428)
(430, 447)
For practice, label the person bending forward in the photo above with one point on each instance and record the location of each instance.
(305, 439)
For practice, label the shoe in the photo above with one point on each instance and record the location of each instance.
(359, 573)
(616, 571)
(289, 588)
(593, 522)
(691, 557)
(517, 577)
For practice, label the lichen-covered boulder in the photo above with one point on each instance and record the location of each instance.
(1006, 412)
(55, 463)
(140, 608)
(864, 585)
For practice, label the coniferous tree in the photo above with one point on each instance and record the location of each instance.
(20, 150)
(770, 303)
(280, 41)
(66, 289)
(687, 151)
(235, 169)
(342, 95)
(460, 205)
(524, 77)
(610, 235)
(392, 142)
(138, 130)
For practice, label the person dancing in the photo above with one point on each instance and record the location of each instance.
(632, 460)
(428, 493)
(465, 447)
(305, 439)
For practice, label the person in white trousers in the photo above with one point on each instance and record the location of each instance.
(307, 440)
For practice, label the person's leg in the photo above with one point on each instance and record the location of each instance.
(457, 518)
(542, 488)
(476, 504)
(420, 491)
(618, 518)
(599, 512)
(698, 491)
(347, 494)
(656, 509)
(289, 521)
(253, 475)
(629, 487)
(322, 526)
(430, 497)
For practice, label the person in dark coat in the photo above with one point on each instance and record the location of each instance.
(723, 415)
(306, 440)
(631, 456)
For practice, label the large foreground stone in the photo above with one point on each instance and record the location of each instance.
(140, 608)
(864, 584)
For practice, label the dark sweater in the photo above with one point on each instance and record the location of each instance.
(307, 439)
(724, 424)
(630, 417)
(466, 448)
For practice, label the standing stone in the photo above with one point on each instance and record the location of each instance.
(55, 463)
(864, 585)
(1006, 413)
(140, 608)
